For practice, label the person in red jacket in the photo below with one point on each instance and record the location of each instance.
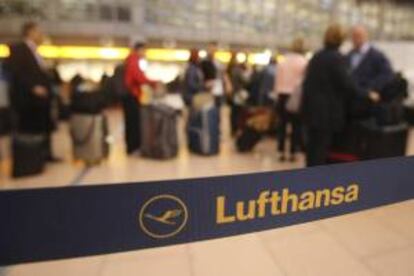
(134, 79)
(135, 76)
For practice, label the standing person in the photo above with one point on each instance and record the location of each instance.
(118, 82)
(327, 88)
(212, 72)
(134, 78)
(255, 82)
(193, 78)
(56, 100)
(371, 69)
(5, 112)
(267, 82)
(289, 77)
(31, 86)
(238, 81)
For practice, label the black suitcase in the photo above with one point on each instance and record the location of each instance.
(254, 123)
(409, 114)
(5, 121)
(29, 154)
(87, 102)
(383, 141)
(388, 114)
(248, 139)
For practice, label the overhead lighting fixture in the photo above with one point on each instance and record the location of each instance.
(260, 58)
(152, 54)
(223, 56)
(202, 54)
(4, 51)
(241, 57)
(168, 55)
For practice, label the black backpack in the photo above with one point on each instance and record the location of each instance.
(391, 109)
(396, 89)
(87, 101)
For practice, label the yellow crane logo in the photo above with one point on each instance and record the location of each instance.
(163, 216)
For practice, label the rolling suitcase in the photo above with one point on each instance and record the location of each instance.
(89, 137)
(203, 129)
(388, 114)
(159, 131)
(383, 141)
(254, 124)
(409, 113)
(248, 139)
(29, 154)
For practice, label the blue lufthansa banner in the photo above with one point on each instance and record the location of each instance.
(55, 223)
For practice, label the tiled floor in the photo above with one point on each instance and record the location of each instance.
(375, 242)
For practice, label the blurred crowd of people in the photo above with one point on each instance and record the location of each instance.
(312, 99)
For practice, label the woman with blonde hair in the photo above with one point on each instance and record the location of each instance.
(289, 77)
(327, 89)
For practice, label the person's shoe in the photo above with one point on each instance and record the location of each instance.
(52, 159)
(282, 158)
(292, 158)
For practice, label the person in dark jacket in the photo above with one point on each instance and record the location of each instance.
(213, 73)
(5, 112)
(31, 86)
(193, 78)
(327, 88)
(371, 69)
(268, 83)
(254, 86)
(119, 84)
(238, 80)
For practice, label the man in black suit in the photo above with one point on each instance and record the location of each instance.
(30, 86)
(327, 88)
(370, 68)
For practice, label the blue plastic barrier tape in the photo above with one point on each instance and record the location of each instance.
(56, 223)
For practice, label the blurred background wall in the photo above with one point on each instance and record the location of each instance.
(244, 25)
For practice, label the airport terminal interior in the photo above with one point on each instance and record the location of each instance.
(87, 40)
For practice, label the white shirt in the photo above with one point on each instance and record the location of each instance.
(33, 47)
(290, 73)
(359, 55)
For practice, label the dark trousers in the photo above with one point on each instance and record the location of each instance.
(235, 113)
(132, 123)
(317, 149)
(287, 119)
(48, 147)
